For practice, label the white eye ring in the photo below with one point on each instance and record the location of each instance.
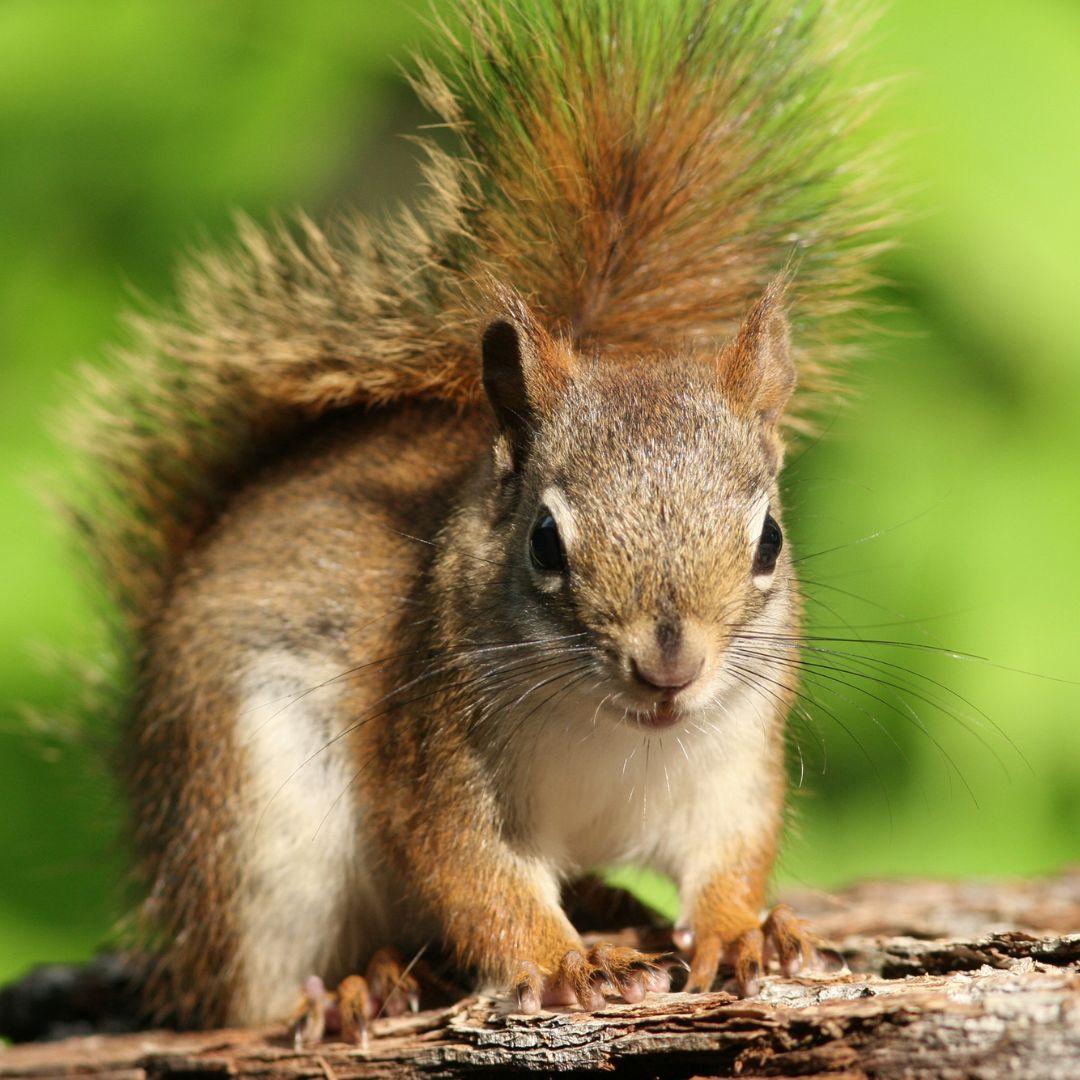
(756, 520)
(555, 501)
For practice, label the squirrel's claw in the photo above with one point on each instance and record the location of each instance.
(528, 989)
(393, 988)
(387, 989)
(345, 1013)
(590, 979)
(633, 974)
(795, 947)
(355, 1009)
(309, 1020)
(782, 937)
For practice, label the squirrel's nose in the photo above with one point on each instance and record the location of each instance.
(672, 673)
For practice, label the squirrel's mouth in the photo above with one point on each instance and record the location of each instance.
(663, 714)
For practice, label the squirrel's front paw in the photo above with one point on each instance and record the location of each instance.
(782, 936)
(589, 979)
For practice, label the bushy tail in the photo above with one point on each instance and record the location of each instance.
(638, 170)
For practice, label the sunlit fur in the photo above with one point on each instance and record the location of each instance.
(273, 471)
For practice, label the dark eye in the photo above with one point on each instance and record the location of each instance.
(545, 547)
(772, 540)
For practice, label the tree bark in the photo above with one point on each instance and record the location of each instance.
(968, 979)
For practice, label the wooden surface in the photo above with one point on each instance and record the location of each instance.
(953, 980)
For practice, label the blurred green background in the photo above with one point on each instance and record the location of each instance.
(130, 130)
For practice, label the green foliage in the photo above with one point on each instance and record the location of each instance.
(130, 130)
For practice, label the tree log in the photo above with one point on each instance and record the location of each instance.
(968, 979)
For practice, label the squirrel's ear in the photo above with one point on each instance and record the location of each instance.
(757, 374)
(525, 372)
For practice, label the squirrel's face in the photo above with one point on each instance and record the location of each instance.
(639, 519)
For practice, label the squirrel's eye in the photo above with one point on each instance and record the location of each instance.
(772, 540)
(545, 547)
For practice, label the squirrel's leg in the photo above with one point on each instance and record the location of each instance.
(500, 915)
(726, 926)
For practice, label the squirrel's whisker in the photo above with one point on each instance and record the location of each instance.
(825, 674)
(872, 662)
(756, 679)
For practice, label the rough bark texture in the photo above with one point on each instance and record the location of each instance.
(948, 980)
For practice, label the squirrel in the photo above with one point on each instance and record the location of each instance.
(448, 555)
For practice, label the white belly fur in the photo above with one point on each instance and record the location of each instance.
(677, 800)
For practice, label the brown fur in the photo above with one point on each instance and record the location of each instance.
(637, 196)
(256, 581)
(617, 213)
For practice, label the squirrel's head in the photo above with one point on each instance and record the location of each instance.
(634, 517)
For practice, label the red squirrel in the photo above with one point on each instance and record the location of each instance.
(450, 554)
